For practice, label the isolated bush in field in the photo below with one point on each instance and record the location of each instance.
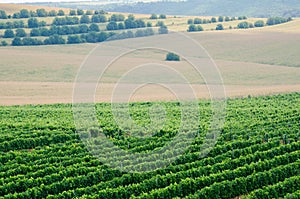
(172, 57)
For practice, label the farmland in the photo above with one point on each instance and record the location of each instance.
(45, 152)
(256, 154)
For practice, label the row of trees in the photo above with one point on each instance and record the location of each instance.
(277, 20)
(214, 20)
(85, 19)
(12, 24)
(195, 28)
(31, 23)
(25, 13)
(64, 30)
(155, 16)
(88, 12)
(244, 24)
(129, 23)
(20, 32)
(90, 37)
(54, 30)
(260, 23)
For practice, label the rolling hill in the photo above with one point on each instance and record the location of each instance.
(255, 8)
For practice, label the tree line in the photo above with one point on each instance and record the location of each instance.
(260, 23)
(88, 37)
(25, 13)
(214, 19)
(242, 25)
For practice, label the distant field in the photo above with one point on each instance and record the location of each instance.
(270, 46)
(164, 144)
(253, 61)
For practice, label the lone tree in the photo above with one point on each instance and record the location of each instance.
(172, 57)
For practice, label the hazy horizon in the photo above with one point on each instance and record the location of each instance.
(32, 1)
(50, 1)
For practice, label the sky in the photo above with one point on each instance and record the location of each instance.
(25, 1)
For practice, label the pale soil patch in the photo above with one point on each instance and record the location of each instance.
(20, 93)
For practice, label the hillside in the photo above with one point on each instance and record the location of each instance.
(249, 60)
(92, 106)
(255, 8)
